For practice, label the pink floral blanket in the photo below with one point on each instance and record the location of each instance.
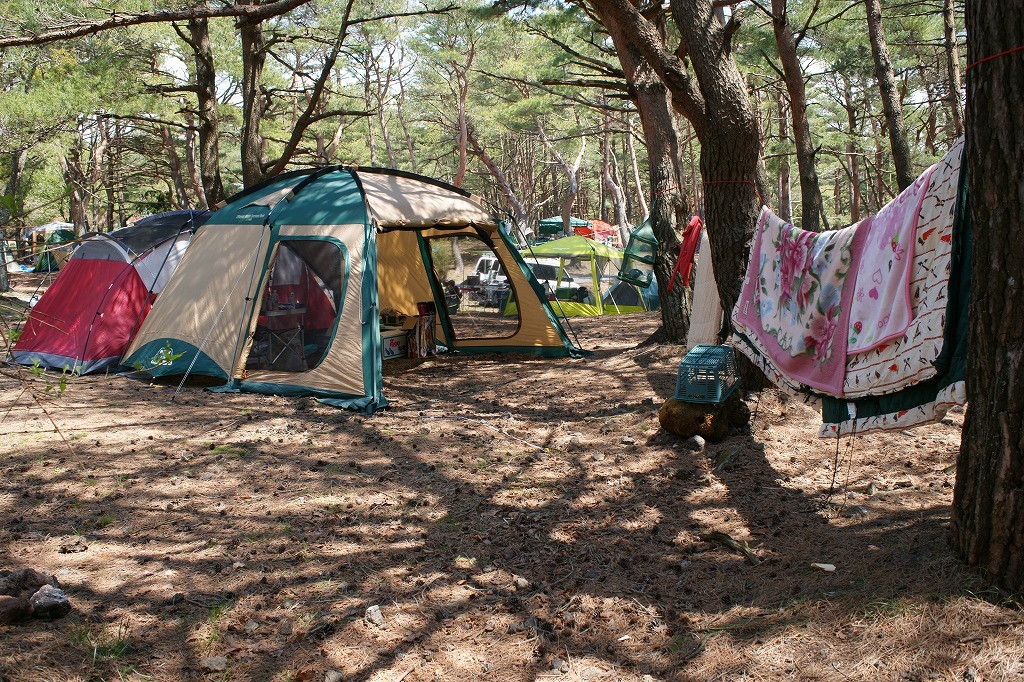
(882, 308)
(797, 297)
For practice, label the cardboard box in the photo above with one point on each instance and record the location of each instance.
(394, 343)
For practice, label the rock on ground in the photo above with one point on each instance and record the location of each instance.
(707, 420)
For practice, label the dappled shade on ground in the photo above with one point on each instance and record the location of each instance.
(511, 517)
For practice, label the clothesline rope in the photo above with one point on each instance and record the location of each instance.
(994, 56)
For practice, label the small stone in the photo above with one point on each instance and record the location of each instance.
(50, 602)
(373, 615)
(520, 582)
(72, 545)
(628, 440)
(214, 664)
(250, 627)
(856, 511)
(176, 598)
(598, 456)
(334, 676)
(285, 628)
(695, 443)
(559, 665)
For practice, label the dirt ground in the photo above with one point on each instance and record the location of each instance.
(512, 518)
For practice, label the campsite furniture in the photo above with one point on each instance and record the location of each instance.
(603, 261)
(707, 374)
(287, 339)
(350, 243)
(638, 258)
(88, 316)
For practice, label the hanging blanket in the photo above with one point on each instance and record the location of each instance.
(882, 307)
(796, 299)
(909, 359)
(928, 400)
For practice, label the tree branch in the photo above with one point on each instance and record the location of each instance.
(89, 27)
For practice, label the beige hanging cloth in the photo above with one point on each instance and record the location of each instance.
(706, 318)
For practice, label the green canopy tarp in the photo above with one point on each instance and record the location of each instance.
(553, 225)
(575, 247)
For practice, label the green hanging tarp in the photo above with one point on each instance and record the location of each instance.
(553, 225)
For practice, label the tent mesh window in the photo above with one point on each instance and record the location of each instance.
(706, 375)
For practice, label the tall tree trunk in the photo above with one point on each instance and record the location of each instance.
(74, 177)
(952, 67)
(571, 176)
(988, 500)
(852, 154)
(519, 211)
(12, 210)
(174, 164)
(192, 166)
(644, 210)
(610, 178)
(209, 120)
(892, 104)
(785, 203)
(254, 57)
(810, 191)
(669, 209)
(400, 109)
(462, 123)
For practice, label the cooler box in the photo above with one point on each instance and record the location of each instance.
(394, 342)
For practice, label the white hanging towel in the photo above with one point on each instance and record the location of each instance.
(706, 318)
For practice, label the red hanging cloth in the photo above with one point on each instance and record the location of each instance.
(687, 251)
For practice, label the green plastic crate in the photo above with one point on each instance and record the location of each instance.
(706, 375)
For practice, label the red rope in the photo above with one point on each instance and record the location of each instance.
(735, 182)
(995, 56)
(667, 189)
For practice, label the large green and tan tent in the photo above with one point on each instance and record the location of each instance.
(282, 290)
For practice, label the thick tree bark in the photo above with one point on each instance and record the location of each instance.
(810, 190)
(988, 500)
(892, 104)
(952, 67)
(209, 120)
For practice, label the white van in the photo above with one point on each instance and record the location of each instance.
(544, 269)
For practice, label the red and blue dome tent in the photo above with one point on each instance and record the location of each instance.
(89, 315)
